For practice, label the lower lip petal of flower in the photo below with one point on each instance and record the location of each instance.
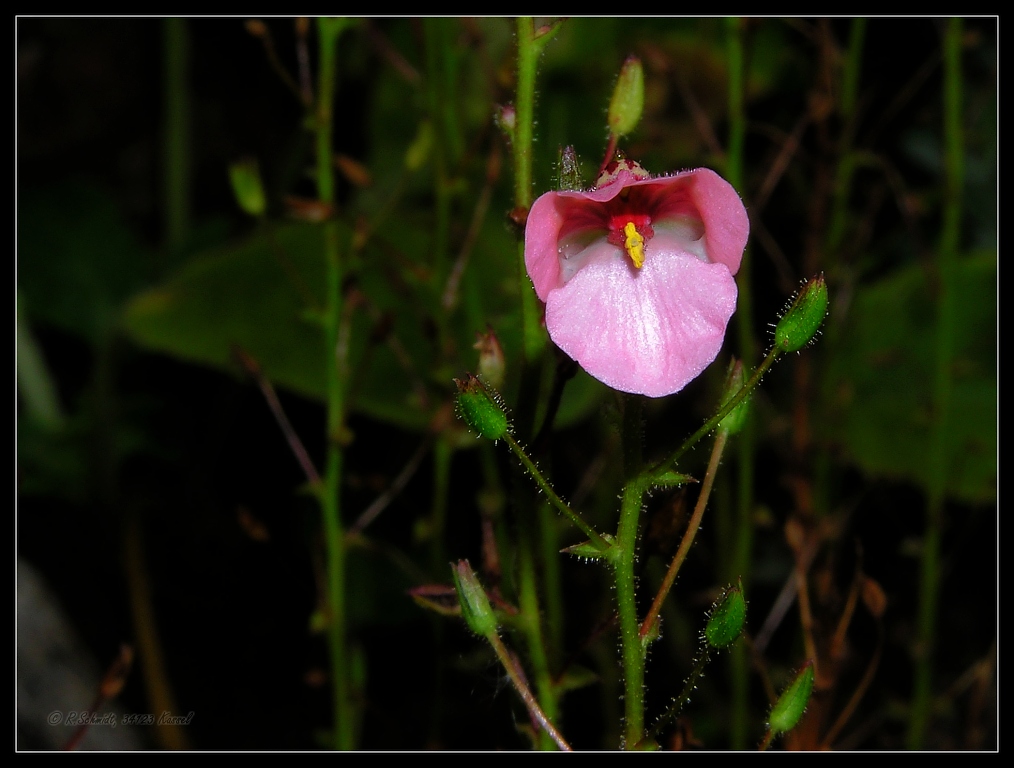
(648, 331)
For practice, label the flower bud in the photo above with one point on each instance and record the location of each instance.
(480, 408)
(628, 98)
(802, 319)
(728, 615)
(734, 382)
(245, 177)
(492, 365)
(792, 703)
(873, 597)
(475, 607)
(506, 117)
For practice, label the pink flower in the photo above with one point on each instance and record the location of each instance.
(637, 273)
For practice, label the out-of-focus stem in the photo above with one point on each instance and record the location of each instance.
(521, 147)
(947, 255)
(176, 146)
(549, 562)
(847, 156)
(151, 655)
(530, 43)
(528, 599)
(744, 530)
(437, 100)
(344, 720)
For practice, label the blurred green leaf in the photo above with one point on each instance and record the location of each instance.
(882, 374)
(264, 296)
(77, 260)
(255, 296)
(35, 383)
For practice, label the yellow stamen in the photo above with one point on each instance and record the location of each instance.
(634, 244)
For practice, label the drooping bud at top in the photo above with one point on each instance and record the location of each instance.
(475, 607)
(628, 98)
(480, 408)
(245, 177)
(804, 316)
(792, 703)
(728, 615)
(492, 365)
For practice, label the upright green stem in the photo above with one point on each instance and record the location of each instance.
(524, 110)
(530, 44)
(632, 649)
(744, 531)
(521, 148)
(439, 108)
(734, 173)
(847, 156)
(549, 562)
(528, 599)
(942, 388)
(624, 560)
(344, 720)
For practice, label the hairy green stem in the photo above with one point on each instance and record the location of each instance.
(632, 649)
(624, 561)
(524, 110)
(688, 688)
(552, 496)
(947, 255)
(666, 464)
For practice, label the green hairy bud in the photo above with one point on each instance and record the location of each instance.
(804, 316)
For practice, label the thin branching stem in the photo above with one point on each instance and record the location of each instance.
(553, 497)
(691, 532)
